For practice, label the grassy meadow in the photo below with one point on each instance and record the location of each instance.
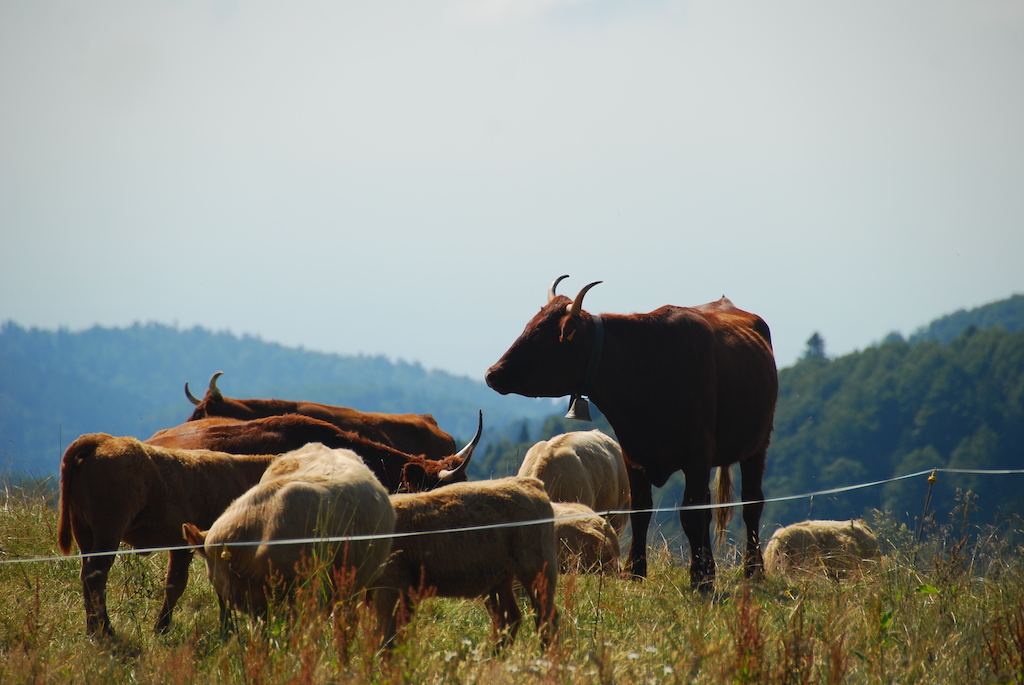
(948, 610)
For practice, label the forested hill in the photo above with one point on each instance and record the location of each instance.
(57, 385)
(897, 408)
(1008, 313)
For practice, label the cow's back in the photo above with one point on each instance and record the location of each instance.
(157, 488)
(708, 371)
(585, 467)
(318, 493)
(835, 546)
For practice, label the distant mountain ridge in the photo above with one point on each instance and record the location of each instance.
(1008, 313)
(57, 385)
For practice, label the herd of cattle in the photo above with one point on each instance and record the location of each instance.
(685, 389)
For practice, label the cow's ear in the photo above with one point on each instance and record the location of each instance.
(568, 329)
(414, 477)
(194, 536)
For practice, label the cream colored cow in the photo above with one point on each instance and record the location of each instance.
(585, 467)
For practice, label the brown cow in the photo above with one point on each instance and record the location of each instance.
(685, 388)
(473, 563)
(312, 492)
(584, 467)
(397, 470)
(115, 490)
(410, 433)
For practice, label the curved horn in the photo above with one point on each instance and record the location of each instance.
(190, 397)
(214, 391)
(449, 475)
(577, 305)
(554, 284)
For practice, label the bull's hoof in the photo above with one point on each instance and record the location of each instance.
(99, 630)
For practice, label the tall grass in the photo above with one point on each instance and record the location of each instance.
(948, 611)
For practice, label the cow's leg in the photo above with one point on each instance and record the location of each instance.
(385, 607)
(752, 474)
(541, 590)
(94, 577)
(505, 614)
(177, 579)
(697, 527)
(94, 590)
(640, 504)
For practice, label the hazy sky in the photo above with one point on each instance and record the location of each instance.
(406, 178)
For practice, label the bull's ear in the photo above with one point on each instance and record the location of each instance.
(194, 536)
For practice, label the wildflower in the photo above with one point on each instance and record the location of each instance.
(512, 668)
(633, 656)
(448, 656)
(667, 670)
(651, 649)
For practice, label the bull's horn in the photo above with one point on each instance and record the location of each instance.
(213, 385)
(554, 284)
(190, 397)
(577, 305)
(448, 475)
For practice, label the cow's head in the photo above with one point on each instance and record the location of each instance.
(215, 404)
(421, 474)
(550, 357)
(232, 590)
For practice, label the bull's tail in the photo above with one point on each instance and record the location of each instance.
(723, 495)
(68, 466)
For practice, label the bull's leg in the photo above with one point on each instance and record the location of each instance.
(640, 504)
(177, 579)
(94, 591)
(697, 527)
(752, 474)
(505, 614)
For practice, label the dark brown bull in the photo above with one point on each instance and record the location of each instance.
(396, 470)
(685, 388)
(410, 433)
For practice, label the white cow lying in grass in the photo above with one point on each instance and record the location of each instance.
(835, 547)
(586, 542)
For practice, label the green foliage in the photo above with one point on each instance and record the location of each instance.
(1007, 313)
(898, 408)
